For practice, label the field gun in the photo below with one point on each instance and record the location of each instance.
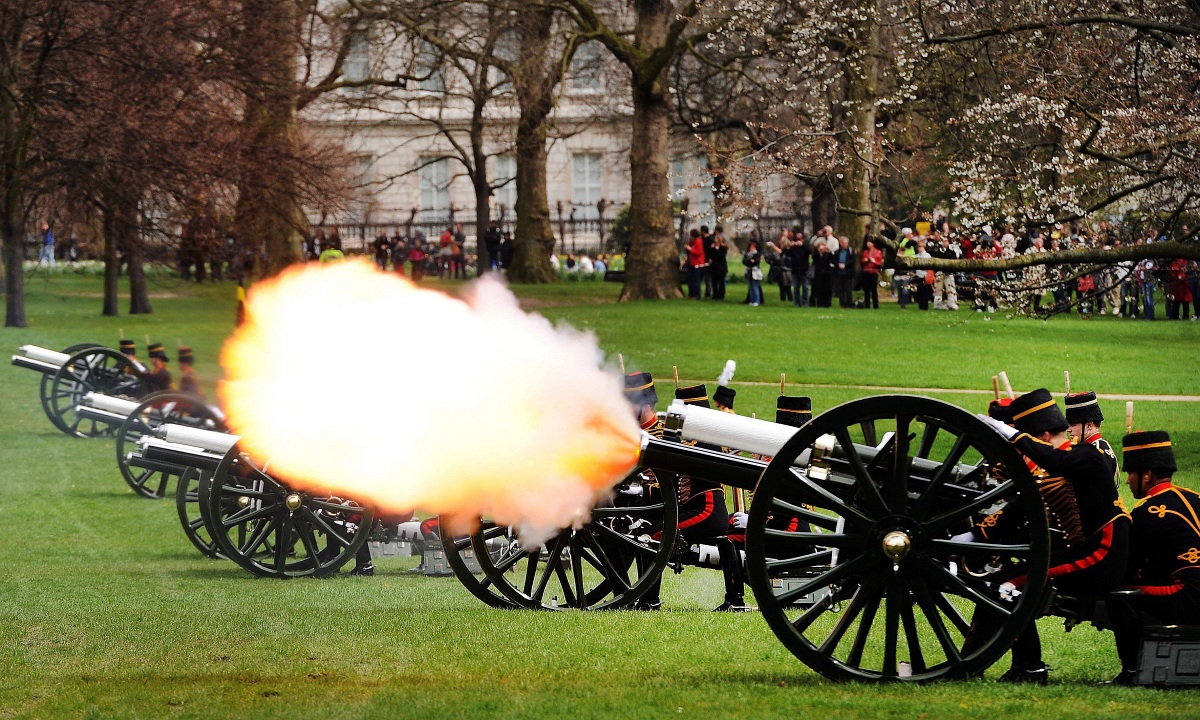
(70, 374)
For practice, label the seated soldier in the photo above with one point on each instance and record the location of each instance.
(189, 382)
(1163, 561)
(159, 377)
(1090, 528)
(129, 350)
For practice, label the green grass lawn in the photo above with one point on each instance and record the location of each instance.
(107, 611)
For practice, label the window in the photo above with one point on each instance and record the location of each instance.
(587, 184)
(678, 179)
(357, 65)
(429, 68)
(505, 197)
(364, 188)
(434, 177)
(585, 71)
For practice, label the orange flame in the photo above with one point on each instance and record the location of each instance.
(348, 378)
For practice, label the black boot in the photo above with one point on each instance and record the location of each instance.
(1037, 674)
(731, 567)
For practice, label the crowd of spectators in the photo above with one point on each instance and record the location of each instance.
(816, 271)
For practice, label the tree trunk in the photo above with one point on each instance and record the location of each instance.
(652, 267)
(858, 134)
(533, 239)
(139, 295)
(112, 259)
(824, 205)
(14, 258)
(269, 217)
(483, 190)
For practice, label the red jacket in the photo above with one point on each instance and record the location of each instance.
(695, 250)
(872, 261)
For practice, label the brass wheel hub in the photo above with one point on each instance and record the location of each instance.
(292, 502)
(243, 501)
(896, 545)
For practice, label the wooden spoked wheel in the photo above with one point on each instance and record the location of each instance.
(176, 408)
(871, 587)
(460, 553)
(93, 369)
(275, 530)
(608, 563)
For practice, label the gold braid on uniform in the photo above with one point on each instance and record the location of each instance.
(656, 431)
(684, 487)
(1062, 508)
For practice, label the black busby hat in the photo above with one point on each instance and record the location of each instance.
(186, 355)
(1001, 409)
(723, 395)
(1148, 450)
(1083, 408)
(793, 410)
(693, 395)
(1036, 412)
(128, 347)
(158, 351)
(639, 389)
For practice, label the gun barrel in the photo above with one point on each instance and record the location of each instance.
(95, 413)
(698, 462)
(41, 354)
(714, 427)
(165, 453)
(107, 403)
(30, 364)
(217, 442)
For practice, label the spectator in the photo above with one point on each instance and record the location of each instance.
(843, 273)
(926, 278)
(457, 264)
(798, 258)
(570, 263)
(491, 241)
(718, 258)
(823, 275)
(1146, 270)
(706, 268)
(586, 266)
(417, 258)
(781, 271)
(47, 255)
(872, 263)
(382, 250)
(506, 250)
(902, 280)
(695, 263)
(600, 267)
(752, 259)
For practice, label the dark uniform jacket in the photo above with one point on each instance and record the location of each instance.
(1164, 548)
(1081, 499)
(157, 380)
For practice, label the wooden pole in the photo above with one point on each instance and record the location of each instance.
(621, 359)
(1067, 380)
(782, 383)
(1128, 417)
(996, 386)
(1007, 386)
(675, 372)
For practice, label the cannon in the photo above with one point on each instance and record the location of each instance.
(261, 522)
(69, 375)
(133, 419)
(871, 586)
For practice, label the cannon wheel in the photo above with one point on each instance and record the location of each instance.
(48, 380)
(158, 409)
(187, 504)
(588, 568)
(888, 596)
(94, 369)
(273, 530)
(481, 587)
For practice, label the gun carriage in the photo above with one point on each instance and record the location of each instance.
(69, 375)
(870, 586)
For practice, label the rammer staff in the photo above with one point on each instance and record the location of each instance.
(782, 383)
(1067, 380)
(996, 386)
(1007, 385)
(675, 371)
(1128, 416)
(621, 359)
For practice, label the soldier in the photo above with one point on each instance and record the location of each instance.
(159, 377)
(703, 516)
(129, 350)
(1163, 561)
(189, 382)
(1084, 417)
(1090, 544)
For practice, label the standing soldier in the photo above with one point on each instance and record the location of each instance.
(1163, 561)
(1084, 417)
